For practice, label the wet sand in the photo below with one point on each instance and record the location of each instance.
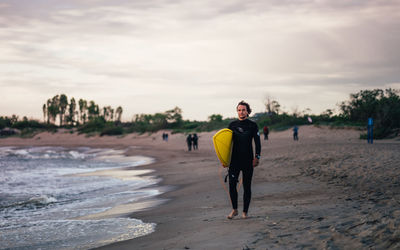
(329, 190)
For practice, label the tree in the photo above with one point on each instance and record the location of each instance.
(271, 106)
(327, 114)
(71, 111)
(44, 108)
(13, 119)
(119, 113)
(215, 118)
(159, 121)
(54, 107)
(93, 110)
(63, 103)
(174, 115)
(362, 105)
(48, 110)
(108, 113)
(82, 110)
(382, 105)
(112, 114)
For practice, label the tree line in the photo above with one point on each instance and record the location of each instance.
(76, 113)
(382, 105)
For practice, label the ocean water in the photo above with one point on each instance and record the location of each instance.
(43, 190)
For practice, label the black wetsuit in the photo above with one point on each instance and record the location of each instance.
(244, 132)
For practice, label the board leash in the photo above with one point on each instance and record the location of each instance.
(224, 180)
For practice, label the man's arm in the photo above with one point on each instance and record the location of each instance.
(258, 146)
(257, 140)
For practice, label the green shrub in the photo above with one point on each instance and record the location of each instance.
(112, 131)
(95, 125)
(28, 124)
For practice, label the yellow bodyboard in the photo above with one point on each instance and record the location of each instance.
(223, 145)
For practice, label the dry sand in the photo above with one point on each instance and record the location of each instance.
(329, 190)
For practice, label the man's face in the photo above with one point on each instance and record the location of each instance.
(242, 112)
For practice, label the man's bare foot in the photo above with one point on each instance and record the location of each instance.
(232, 214)
(244, 215)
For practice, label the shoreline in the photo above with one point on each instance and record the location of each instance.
(321, 192)
(87, 190)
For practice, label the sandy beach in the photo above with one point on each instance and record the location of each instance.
(329, 190)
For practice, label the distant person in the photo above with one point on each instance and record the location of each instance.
(243, 159)
(370, 128)
(163, 136)
(195, 140)
(266, 132)
(189, 142)
(295, 133)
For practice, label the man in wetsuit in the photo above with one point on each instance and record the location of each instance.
(243, 160)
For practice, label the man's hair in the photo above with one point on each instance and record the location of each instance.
(245, 104)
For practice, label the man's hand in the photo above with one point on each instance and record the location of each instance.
(255, 162)
(224, 165)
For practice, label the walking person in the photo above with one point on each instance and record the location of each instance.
(295, 133)
(189, 142)
(243, 159)
(266, 132)
(370, 128)
(195, 139)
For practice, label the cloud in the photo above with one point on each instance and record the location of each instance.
(200, 55)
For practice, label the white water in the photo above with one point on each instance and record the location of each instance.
(40, 194)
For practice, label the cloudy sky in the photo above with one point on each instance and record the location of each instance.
(203, 56)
